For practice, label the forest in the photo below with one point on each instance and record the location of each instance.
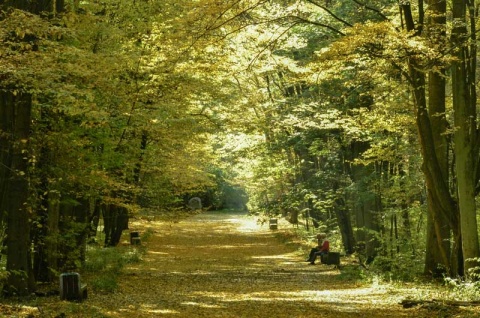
(357, 118)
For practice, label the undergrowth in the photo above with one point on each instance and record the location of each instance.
(105, 265)
(396, 270)
(464, 290)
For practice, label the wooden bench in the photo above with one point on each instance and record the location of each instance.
(71, 287)
(135, 238)
(331, 258)
(273, 224)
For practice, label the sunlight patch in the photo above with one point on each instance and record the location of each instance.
(202, 305)
(249, 227)
(158, 253)
(162, 311)
(343, 297)
(151, 309)
(282, 256)
(224, 246)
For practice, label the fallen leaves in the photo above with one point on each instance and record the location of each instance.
(225, 265)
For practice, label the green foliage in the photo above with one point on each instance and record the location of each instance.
(107, 282)
(97, 259)
(104, 265)
(463, 290)
(354, 273)
(135, 255)
(301, 108)
(146, 235)
(111, 259)
(3, 274)
(400, 268)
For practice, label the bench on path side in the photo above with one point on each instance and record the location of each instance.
(135, 238)
(331, 258)
(71, 287)
(273, 224)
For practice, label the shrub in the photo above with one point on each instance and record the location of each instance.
(106, 282)
(101, 259)
(104, 265)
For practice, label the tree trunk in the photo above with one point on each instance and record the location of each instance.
(115, 220)
(441, 204)
(344, 224)
(46, 240)
(465, 135)
(53, 231)
(15, 111)
(81, 216)
(437, 261)
(41, 235)
(442, 207)
(15, 122)
(366, 208)
(437, 254)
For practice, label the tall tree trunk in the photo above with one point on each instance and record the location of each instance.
(345, 225)
(406, 236)
(46, 239)
(15, 111)
(82, 214)
(366, 208)
(53, 231)
(41, 265)
(15, 131)
(441, 204)
(437, 257)
(465, 131)
(115, 220)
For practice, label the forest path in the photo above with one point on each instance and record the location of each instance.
(226, 265)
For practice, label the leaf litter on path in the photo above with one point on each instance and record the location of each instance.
(219, 264)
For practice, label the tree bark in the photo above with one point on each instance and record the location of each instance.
(115, 220)
(464, 135)
(437, 257)
(442, 206)
(15, 111)
(366, 208)
(53, 231)
(345, 225)
(15, 132)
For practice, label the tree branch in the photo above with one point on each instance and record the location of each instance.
(271, 43)
(372, 9)
(333, 15)
(318, 24)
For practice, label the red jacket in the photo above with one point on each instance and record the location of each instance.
(325, 247)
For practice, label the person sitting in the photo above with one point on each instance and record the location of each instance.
(322, 248)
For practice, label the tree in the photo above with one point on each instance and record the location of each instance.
(16, 108)
(412, 53)
(438, 248)
(16, 119)
(465, 131)
(103, 117)
(432, 125)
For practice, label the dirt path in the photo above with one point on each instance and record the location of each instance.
(225, 265)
